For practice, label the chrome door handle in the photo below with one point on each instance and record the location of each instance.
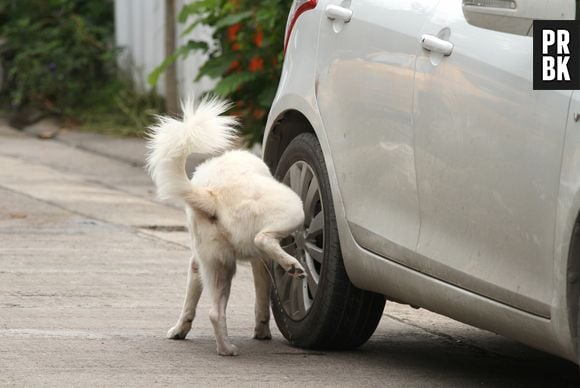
(437, 45)
(335, 12)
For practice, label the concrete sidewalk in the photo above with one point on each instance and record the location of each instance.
(92, 274)
(128, 150)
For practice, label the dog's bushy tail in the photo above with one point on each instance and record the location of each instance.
(203, 130)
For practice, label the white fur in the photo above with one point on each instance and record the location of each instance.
(202, 130)
(235, 210)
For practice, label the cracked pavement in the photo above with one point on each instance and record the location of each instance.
(92, 274)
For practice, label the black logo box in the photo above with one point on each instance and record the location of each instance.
(573, 28)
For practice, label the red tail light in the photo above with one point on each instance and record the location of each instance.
(298, 8)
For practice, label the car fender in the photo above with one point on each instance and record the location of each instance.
(567, 263)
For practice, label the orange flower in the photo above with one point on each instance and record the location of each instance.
(235, 65)
(259, 37)
(256, 64)
(233, 32)
(259, 113)
(236, 47)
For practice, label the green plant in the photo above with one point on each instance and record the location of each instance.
(59, 58)
(245, 53)
(119, 109)
(55, 52)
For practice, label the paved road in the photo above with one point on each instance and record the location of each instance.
(92, 272)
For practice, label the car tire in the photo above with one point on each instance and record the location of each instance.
(332, 314)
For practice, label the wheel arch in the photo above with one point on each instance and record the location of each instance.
(566, 282)
(292, 115)
(286, 127)
(573, 283)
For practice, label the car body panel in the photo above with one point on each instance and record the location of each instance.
(383, 274)
(488, 152)
(365, 97)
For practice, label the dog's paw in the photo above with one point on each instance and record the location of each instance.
(262, 332)
(296, 271)
(228, 350)
(177, 333)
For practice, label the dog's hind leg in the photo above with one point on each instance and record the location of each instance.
(262, 284)
(192, 294)
(270, 245)
(218, 280)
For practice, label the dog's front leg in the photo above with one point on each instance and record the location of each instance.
(219, 282)
(262, 284)
(192, 294)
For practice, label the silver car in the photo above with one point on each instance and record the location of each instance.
(431, 172)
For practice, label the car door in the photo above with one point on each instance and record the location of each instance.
(488, 151)
(364, 90)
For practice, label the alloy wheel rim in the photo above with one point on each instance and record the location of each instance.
(306, 244)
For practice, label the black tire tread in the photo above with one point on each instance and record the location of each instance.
(348, 316)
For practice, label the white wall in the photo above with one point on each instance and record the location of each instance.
(139, 30)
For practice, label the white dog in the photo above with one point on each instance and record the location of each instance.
(235, 210)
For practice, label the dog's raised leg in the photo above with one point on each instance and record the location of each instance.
(219, 281)
(192, 294)
(271, 246)
(262, 284)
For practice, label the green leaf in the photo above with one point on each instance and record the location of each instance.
(233, 19)
(230, 84)
(182, 51)
(266, 97)
(264, 16)
(196, 8)
(193, 45)
(191, 27)
(156, 73)
(216, 67)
